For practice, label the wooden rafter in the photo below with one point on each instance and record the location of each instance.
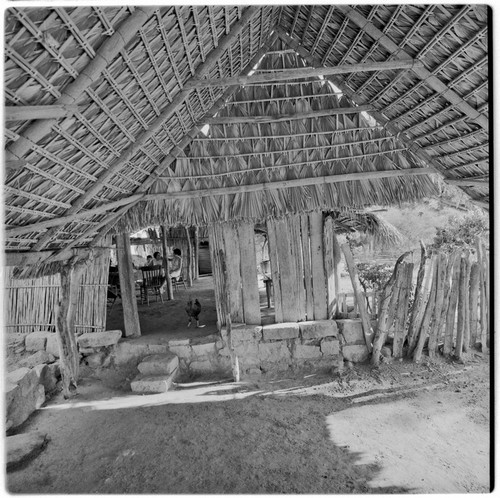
(430, 80)
(287, 74)
(29, 112)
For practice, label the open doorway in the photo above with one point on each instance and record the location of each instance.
(265, 283)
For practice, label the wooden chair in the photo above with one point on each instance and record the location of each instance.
(152, 281)
(178, 280)
(113, 289)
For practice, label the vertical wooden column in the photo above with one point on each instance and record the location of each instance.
(216, 245)
(166, 264)
(189, 258)
(127, 286)
(248, 268)
(317, 266)
(196, 263)
(65, 327)
(275, 270)
(233, 282)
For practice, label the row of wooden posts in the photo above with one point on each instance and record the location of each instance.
(446, 309)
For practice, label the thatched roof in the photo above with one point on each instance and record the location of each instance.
(105, 107)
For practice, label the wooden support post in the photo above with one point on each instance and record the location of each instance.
(189, 258)
(127, 286)
(216, 244)
(249, 279)
(452, 305)
(473, 302)
(353, 273)
(466, 341)
(293, 223)
(196, 253)
(417, 300)
(227, 308)
(166, 263)
(317, 266)
(233, 272)
(69, 358)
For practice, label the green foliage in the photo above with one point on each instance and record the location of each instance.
(374, 275)
(461, 232)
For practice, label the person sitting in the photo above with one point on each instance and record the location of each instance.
(150, 261)
(175, 266)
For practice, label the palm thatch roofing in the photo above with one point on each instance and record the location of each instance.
(106, 113)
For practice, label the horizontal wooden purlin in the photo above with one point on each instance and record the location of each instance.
(27, 112)
(43, 225)
(37, 257)
(469, 181)
(300, 182)
(288, 74)
(467, 165)
(287, 117)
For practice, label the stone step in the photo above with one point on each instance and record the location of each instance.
(150, 384)
(158, 364)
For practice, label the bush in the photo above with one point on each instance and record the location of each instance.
(374, 275)
(461, 232)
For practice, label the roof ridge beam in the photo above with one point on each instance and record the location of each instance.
(287, 74)
(91, 73)
(424, 74)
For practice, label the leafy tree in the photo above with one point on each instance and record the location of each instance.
(461, 232)
(374, 275)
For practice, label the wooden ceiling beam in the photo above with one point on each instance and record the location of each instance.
(299, 182)
(287, 117)
(469, 182)
(25, 258)
(63, 220)
(29, 112)
(424, 74)
(89, 75)
(288, 74)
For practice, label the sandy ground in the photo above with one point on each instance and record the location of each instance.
(402, 428)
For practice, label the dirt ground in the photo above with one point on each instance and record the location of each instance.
(401, 428)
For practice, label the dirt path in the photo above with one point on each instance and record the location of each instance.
(368, 431)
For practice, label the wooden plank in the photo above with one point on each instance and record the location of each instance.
(189, 266)
(233, 283)
(434, 329)
(28, 112)
(216, 245)
(296, 252)
(461, 309)
(275, 270)
(452, 306)
(288, 275)
(473, 303)
(330, 267)
(65, 327)
(317, 266)
(466, 307)
(248, 262)
(127, 286)
(287, 74)
(306, 259)
(353, 273)
(441, 320)
(278, 118)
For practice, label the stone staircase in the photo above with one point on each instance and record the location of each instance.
(157, 373)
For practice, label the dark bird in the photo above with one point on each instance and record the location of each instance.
(193, 310)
